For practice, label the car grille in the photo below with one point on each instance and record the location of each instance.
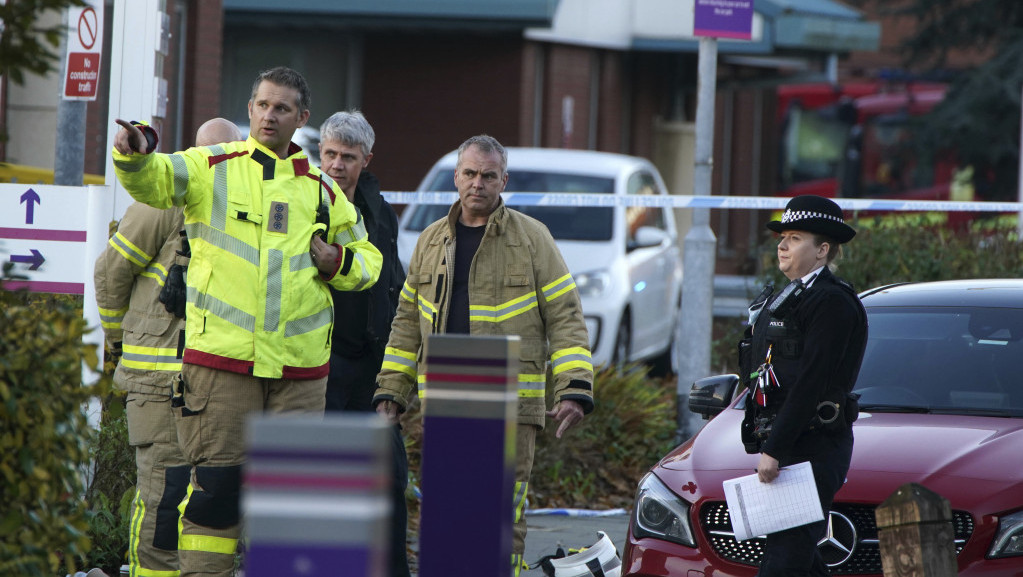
(866, 556)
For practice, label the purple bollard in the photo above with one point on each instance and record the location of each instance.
(316, 496)
(468, 455)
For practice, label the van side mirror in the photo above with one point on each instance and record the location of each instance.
(711, 395)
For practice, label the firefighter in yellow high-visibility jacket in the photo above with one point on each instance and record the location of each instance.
(130, 276)
(259, 313)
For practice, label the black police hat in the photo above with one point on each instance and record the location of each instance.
(814, 214)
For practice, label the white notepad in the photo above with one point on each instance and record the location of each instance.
(760, 508)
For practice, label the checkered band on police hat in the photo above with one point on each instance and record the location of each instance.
(798, 215)
(814, 214)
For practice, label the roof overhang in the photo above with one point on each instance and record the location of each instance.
(667, 26)
(497, 13)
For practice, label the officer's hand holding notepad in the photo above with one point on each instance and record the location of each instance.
(761, 508)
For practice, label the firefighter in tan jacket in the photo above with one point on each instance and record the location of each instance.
(130, 275)
(490, 270)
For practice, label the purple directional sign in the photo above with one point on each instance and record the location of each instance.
(723, 19)
(30, 199)
(43, 232)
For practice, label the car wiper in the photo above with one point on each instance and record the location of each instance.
(978, 412)
(894, 409)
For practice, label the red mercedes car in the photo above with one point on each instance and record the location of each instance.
(941, 405)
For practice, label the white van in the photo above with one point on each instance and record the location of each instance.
(625, 260)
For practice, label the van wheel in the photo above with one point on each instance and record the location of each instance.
(623, 343)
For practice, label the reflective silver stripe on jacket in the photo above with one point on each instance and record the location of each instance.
(219, 308)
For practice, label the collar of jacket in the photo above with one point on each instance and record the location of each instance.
(367, 196)
(269, 158)
(495, 221)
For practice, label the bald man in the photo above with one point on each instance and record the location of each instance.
(142, 260)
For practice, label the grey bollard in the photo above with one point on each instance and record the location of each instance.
(916, 536)
(316, 495)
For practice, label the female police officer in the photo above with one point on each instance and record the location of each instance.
(812, 333)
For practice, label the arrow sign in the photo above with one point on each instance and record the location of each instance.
(32, 199)
(36, 259)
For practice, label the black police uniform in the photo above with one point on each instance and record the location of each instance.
(816, 350)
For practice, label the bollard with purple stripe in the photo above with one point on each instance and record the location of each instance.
(470, 404)
(315, 496)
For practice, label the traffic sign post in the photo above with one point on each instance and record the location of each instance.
(84, 51)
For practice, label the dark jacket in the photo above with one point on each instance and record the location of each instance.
(362, 320)
(833, 327)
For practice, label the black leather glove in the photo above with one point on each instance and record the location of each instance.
(174, 293)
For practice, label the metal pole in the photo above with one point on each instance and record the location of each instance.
(698, 257)
(1019, 217)
(69, 162)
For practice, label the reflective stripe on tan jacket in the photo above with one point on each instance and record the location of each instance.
(518, 285)
(129, 275)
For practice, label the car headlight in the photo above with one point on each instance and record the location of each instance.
(1008, 541)
(594, 283)
(661, 514)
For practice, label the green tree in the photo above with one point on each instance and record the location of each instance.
(25, 44)
(980, 117)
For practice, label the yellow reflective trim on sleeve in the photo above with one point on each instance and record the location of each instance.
(128, 250)
(400, 361)
(571, 358)
(558, 287)
(110, 318)
(570, 351)
(532, 386)
(408, 294)
(574, 365)
(157, 272)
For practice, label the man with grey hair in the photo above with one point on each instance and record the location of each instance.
(357, 347)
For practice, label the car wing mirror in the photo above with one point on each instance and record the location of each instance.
(647, 236)
(711, 395)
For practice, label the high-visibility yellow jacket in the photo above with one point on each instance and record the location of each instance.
(256, 302)
(129, 275)
(518, 285)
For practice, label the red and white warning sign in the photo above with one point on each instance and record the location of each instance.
(84, 51)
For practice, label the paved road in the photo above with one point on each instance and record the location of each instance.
(546, 532)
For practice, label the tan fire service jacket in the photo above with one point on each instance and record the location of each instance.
(129, 275)
(518, 285)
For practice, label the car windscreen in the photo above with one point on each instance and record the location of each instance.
(943, 360)
(564, 222)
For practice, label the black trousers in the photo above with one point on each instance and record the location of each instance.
(350, 387)
(793, 552)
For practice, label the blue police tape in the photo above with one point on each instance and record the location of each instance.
(577, 512)
(686, 201)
